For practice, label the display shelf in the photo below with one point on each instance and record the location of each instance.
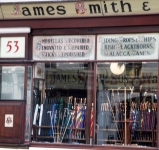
(143, 130)
(109, 130)
(109, 140)
(60, 127)
(74, 139)
(76, 128)
(36, 136)
(145, 141)
(45, 137)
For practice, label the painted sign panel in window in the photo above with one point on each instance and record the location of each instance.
(80, 47)
(12, 47)
(127, 46)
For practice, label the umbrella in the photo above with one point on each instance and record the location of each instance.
(52, 132)
(75, 116)
(91, 124)
(78, 117)
(59, 118)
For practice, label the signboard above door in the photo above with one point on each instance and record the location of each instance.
(77, 9)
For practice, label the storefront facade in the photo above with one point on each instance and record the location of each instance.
(79, 75)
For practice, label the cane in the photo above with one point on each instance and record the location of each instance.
(113, 114)
(62, 125)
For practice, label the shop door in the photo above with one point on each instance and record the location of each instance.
(12, 104)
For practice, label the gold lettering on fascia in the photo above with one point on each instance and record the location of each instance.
(78, 9)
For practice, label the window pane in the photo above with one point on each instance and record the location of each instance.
(127, 103)
(60, 102)
(12, 82)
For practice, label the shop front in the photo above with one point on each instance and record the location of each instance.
(78, 78)
(124, 111)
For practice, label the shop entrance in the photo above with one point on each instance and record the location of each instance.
(12, 104)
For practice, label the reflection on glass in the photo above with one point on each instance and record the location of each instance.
(12, 82)
(59, 104)
(127, 103)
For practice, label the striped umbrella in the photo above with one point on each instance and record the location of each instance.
(81, 122)
(81, 115)
(78, 117)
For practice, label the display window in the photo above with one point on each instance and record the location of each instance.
(126, 112)
(100, 101)
(61, 94)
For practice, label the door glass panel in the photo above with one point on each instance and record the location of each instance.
(12, 82)
(127, 103)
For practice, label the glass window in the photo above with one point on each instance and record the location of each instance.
(126, 103)
(12, 82)
(60, 99)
